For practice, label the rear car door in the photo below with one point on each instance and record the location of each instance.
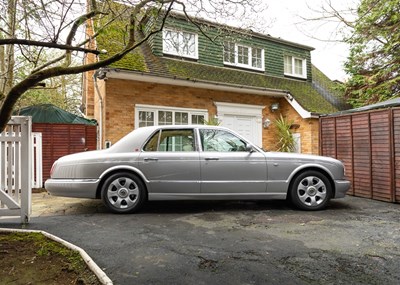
(170, 161)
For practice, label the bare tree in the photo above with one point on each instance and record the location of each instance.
(29, 29)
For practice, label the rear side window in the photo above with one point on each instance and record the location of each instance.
(171, 141)
(152, 143)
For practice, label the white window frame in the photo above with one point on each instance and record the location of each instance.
(180, 36)
(293, 73)
(249, 56)
(155, 109)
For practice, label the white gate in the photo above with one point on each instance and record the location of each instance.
(15, 168)
(37, 161)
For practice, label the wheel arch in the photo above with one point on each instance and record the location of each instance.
(117, 169)
(321, 169)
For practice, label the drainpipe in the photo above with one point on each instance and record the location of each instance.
(101, 75)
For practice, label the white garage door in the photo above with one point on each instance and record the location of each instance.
(243, 119)
(243, 125)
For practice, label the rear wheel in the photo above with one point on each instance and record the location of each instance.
(311, 190)
(123, 193)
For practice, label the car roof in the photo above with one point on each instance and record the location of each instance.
(135, 139)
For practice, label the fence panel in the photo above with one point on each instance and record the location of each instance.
(369, 145)
(15, 168)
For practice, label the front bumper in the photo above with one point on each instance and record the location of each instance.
(341, 187)
(77, 188)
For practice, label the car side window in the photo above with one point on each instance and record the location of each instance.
(221, 141)
(152, 144)
(171, 140)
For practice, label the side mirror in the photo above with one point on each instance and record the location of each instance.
(249, 148)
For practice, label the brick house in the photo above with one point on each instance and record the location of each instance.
(180, 76)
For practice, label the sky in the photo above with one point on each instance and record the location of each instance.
(288, 25)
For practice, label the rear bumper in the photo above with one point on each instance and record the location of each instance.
(341, 186)
(77, 188)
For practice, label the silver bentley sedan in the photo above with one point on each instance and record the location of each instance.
(195, 162)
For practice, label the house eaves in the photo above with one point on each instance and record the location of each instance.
(115, 73)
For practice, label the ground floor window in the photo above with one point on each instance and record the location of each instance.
(147, 115)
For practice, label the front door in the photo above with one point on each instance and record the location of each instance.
(226, 165)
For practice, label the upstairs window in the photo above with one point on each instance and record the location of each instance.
(294, 66)
(180, 43)
(243, 56)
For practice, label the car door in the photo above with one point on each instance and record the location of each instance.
(226, 165)
(170, 162)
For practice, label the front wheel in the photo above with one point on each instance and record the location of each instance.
(123, 193)
(311, 190)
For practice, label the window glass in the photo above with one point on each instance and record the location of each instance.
(288, 64)
(298, 66)
(152, 143)
(294, 66)
(221, 141)
(198, 119)
(229, 52)
(256, 57)
(243, 55)
(164, 118)
(181, 118)
(171, 42)
(179, 43)
(146, 119)
(176, 140)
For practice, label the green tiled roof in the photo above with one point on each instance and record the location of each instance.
(143, 60)
(302, 91)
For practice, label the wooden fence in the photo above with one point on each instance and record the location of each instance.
(368, 144)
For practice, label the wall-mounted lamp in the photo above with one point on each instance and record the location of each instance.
(274, 107)
(266, 123)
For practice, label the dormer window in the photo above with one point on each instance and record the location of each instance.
(243, 56)
(180, 43)
(294, 66)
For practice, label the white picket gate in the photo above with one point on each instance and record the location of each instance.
(16, 168)
(37, 161)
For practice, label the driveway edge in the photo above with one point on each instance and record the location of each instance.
(100, 274)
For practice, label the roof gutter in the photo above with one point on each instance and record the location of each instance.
(105, 73)
(204, 84)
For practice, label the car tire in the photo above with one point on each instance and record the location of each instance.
(123, 193)
(311, 190)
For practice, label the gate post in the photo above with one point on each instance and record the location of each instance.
(26, 170)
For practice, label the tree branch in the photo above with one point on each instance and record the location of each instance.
(49, 45)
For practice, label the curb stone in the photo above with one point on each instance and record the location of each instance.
(100, 274)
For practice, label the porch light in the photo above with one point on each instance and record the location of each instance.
(266, 123)
(274, 107)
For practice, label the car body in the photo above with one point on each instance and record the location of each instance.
(195, 162)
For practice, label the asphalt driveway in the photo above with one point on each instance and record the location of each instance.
(354, 241)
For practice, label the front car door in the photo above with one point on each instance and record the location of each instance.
(170, 162)
(226, 165)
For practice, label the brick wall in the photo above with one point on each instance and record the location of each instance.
(122, 95)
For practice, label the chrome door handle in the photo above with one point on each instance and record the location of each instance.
(150, 159)
(211, 158)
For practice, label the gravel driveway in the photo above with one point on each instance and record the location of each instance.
(354, 241)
